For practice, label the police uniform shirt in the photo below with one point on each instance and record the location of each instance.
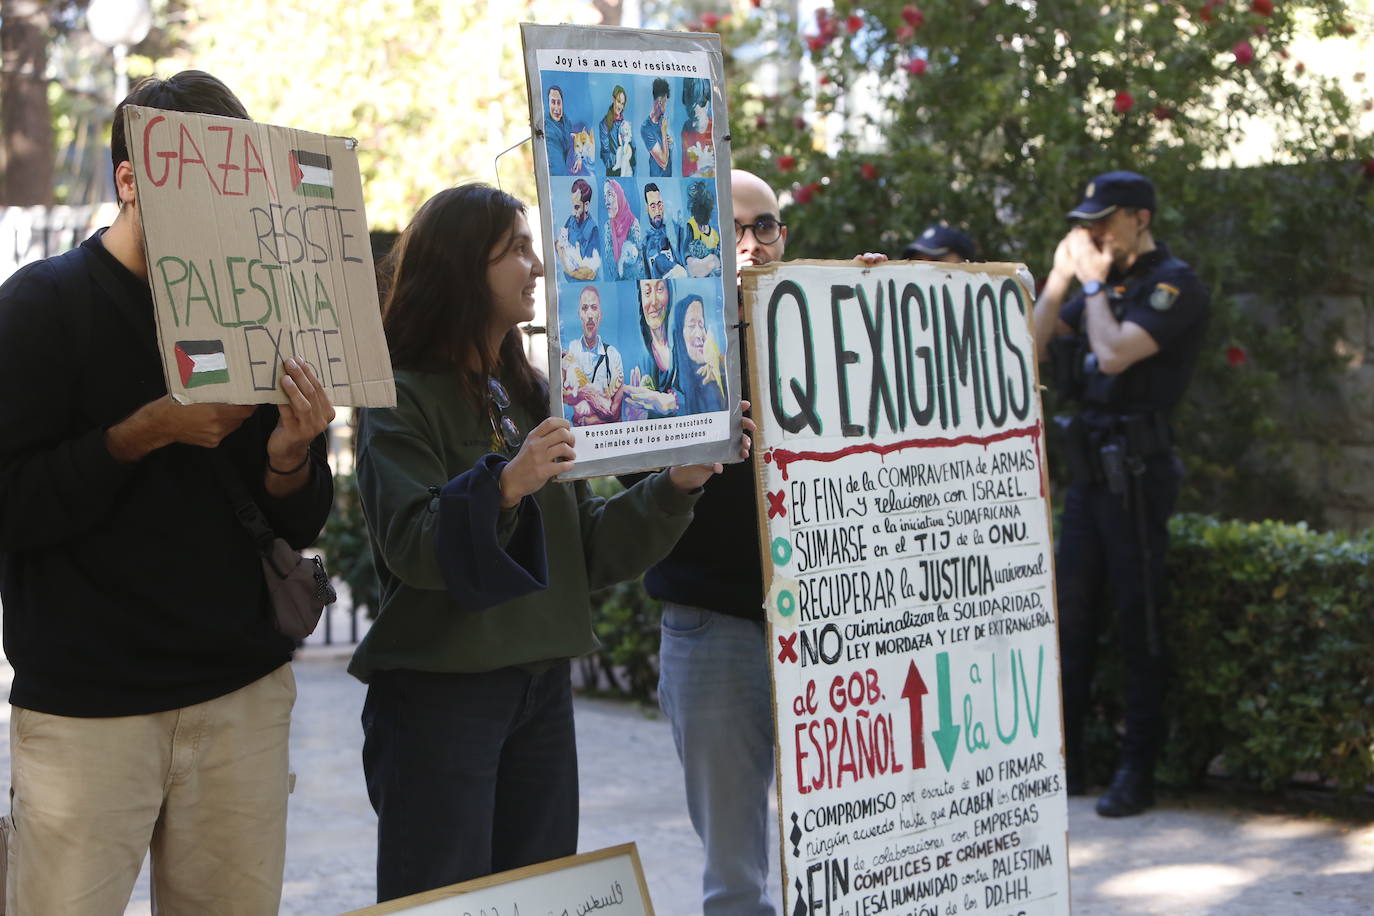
(1163, 295)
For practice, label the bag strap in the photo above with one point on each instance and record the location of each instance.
(245, 509)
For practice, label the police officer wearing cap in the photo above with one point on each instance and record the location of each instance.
(1123, 348)
(940, 242)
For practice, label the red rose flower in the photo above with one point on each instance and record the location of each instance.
(823, 79)
(1123, 102)
(916, 66)
(786, 163)
(1163, 113)
(913, 16)
(815, 42)
(1263, 7)
(1236, 356)
(854, 23)
(804, 194)
(1300, 68)
(709, 21)
(869, 171)
(905, 33)
(1245, 53)
(1205, 13)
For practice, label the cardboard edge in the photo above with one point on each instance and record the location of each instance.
(749, 285)
(629, 850)
(750, 279)
(1027, 281)
(360, 392)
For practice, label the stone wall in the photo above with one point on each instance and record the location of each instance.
(1335, 429)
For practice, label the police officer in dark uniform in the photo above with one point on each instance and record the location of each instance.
(1123, 348)
(941, 242)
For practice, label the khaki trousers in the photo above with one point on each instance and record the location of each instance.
(203, 788)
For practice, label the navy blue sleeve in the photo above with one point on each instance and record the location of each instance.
(478, 572)
(1170, 306)
(1072, 312)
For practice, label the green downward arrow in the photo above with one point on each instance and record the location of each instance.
(947, 735)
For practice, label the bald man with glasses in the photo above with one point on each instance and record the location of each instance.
(714, 681)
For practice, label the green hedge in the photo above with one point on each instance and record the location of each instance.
(1272, 631)
(626, 621)
(1271, 628)
(346, 549)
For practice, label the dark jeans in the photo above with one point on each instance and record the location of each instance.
(1099, 543)
(469, 774)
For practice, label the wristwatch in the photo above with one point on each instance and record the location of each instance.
(1091, 288)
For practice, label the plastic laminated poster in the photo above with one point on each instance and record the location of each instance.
(632, 160)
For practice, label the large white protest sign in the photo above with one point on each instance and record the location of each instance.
(632, 160)
(258, 251)
(910, 595)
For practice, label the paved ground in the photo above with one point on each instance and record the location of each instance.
(1185, 857)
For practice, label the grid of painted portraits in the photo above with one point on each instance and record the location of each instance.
(637, 246)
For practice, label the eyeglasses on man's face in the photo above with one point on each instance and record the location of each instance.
(766, 230)
(505, 435)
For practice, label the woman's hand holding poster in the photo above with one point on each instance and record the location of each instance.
(632, 162)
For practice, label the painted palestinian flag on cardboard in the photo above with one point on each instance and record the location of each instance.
(312, 174)
(201, 362)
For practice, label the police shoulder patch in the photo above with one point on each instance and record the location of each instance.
(1162, 299)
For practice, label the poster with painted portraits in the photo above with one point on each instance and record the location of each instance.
(632, 162)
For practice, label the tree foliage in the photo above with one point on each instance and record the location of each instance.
(992, 115)
(26, 142)
(433, 91)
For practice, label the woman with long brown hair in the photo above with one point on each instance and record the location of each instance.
(485, 563)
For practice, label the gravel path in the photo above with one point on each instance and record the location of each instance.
(1184, 857)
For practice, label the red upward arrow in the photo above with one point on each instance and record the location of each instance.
(913, 691)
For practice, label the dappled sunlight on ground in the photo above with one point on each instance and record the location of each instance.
(1195, 885)
(1187, 857)
(1198, 857)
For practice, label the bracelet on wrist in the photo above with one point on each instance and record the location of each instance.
(288, 473)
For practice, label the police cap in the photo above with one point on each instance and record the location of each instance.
(1105, 193)
(939, 240)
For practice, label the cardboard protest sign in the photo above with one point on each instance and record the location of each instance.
(608, 879)
(257, 251)
(910, 600)
(632, 160)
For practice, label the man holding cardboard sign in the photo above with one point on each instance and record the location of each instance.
(714, 685)
(152, 695)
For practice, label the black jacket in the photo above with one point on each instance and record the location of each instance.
(716, 563)
(127, 589)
